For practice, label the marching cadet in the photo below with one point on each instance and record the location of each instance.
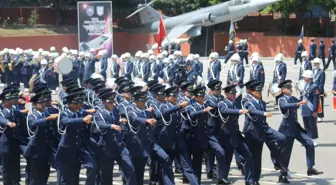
(321, 53)
(312, 50)
(309, 111)
(212, 100)
(319, 80)
(298, 52)
(142, 124)
(115, 67)
(38, 150)
(137, 63)
(9, 143)
(280, 72)
(214, 68)
(257, 70)
(191, 74)
(332, 55)
(236, 75)
(240, 49)
(52, 76)
(305, 64)
(154, 68)
(75, 148)
(257, 131)
(27, 71)
(245, 52)
(167, 70)
(231, 50)
(103, 63)
(144, 69)
(43, 71)
(291, 128)
(159, 64)
(108, 122)
(88, 67)
(197, 139)
(198, 65)
(128, 66)
(230, 132)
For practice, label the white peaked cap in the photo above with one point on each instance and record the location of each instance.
(230, 41)
(164, 52)
(299, 41)
(197, 56)
(254, 54)
(150, 52)
(74, 52)
(114, 56)
(171, 56)
(40, 50)
(212, 55)
(144, 55)
(235, 57)
(52, 48)
(152, 57)
(255, 58)
(308, 74)
(65, 49)
(304, 54)
(159, 55)
(316, 61)
(165, 60)
(87, 55)
(138, 53)
(189, 58)
(241, 41)
(216, 54)
(44, 61)
(6, 50)
(45, 53)
(278, 57)
(17, 49)
(127, 55)
(176, 53)
(81, 53)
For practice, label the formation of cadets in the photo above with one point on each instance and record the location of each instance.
(157, 112)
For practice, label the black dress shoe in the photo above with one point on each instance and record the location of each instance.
(313, 171)
(185, 181)
(277, 167)
(247, 183)
(212, 175)
(152, 183)
(257, 183)
(223, 181)
(283, 179)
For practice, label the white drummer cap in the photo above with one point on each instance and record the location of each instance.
(87, 55)
(150, 52)
(40, 50)
(165, 60)
(254, 54)
(144, 55)
(159, 55)
(176, 53)
(81, 54)
(255, 58)
(114, 56)
(52, 48)
(304, 54)
(212, 55)
(308, 74)
(316, 61)
(164, 52)
(235, 57)
(278, 57)
(44, 61)
(300, 41)
(197, 56)
(152, 57)
(171, 57)
(138, 53)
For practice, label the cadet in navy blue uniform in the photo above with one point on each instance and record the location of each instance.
(299, 49)
(319, 80)
(8, 73)
(26, 72)
(240, 49)
(192, 75)
(257, 131)
(230, 51)
(88, 67)
(214, 68)
(127, 68)
(103, 64)
(214, 125)
(321, 53)
(108, 122)
(332, 55)
(312, 50)
(17, 65)
(236, 76)
(154, 68)
(144, 68)
(38, 150)
(230, 132)
(199, 65)
(257, 70)
(75, 148)
(291, 128)
(311, 93)
(144, 145)
(305, 64)
(280, 72)
(9, 143)
(245, 52)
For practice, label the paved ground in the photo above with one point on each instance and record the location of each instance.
(325, 152)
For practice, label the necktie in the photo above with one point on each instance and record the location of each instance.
(144, 113)
(260, 103)
(112, 116)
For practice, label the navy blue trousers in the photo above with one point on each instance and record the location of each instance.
(310, 125)
(39, 171)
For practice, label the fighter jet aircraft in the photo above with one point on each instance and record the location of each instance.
(192, 22)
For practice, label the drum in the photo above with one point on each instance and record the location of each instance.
(274, 89)
(299, 86)
(63, 65)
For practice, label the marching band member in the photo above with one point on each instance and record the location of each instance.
(319, 80)
(198, 65)
(75, 148)
(305, 64)
(231, 50)
(167, 72)
(141, 119)
(291, 128)
(312, 50)
(230, 132)
(88, 67)
(280, 71)
(103, 63)
(257, 131)
(236, 75)
(43, 71)
(153, 67)
(108, 123)
(257, 70)
(38, 150)
(332, 55)
(159, 64)
(137, 63)
(128, 66)
(144, 69)
(309, 111)
(298, 52)
(115, 66)
(214, 68)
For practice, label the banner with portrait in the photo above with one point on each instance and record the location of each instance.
(95, 26)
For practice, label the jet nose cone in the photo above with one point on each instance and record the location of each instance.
(261, 4)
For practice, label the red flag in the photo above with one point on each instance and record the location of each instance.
(161, 33)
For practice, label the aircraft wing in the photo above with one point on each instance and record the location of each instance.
(177, 31)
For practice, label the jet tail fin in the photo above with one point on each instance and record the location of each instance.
(147, 14)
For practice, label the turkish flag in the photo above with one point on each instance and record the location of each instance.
(161, 33)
